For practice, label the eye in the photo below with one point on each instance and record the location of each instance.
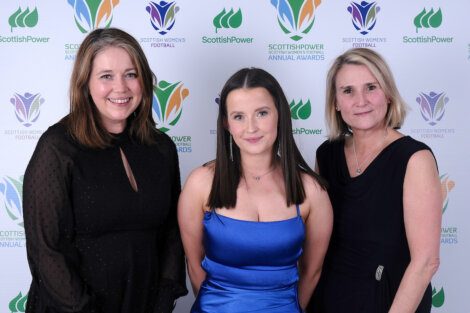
(347, 90)
(372, 87)
(263, 113)
(131, 75)
(106, 76)
(237, 117)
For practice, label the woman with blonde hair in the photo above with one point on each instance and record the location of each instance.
(385, 192)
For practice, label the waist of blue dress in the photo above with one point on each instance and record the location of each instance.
(251, 277)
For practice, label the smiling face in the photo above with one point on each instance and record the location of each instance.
(114, 87)
(252, 120)
(359, 98)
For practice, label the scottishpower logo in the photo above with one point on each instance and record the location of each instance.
(364, 16)
(162, 15)
(438, 297)
(300, 110)
(432, 106)
(92, 14)
(224, 21)
(18, 303)
(296, 18)
(168, 103)
(27, 18)
(11, 192)
(228, 19)
(27, 107)
(428, 19)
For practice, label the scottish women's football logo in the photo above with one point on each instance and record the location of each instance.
(364, 16)
(92, 14)
(168, 103)
(432, 106)
(11, 195)
(162, 15)
(27, 107)
(295, 17)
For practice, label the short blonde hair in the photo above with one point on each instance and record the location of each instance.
(396, 113)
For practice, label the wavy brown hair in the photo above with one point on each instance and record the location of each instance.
(84, 122)
(227, 172)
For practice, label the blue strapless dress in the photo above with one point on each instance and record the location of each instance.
(250, 266)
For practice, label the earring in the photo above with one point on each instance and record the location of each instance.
(231, 148)
(337, 109)
(279, 150)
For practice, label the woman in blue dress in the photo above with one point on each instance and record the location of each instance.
(255, 222)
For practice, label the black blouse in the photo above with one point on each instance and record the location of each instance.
(94, 244)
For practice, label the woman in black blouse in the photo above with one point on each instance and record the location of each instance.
(100, 192)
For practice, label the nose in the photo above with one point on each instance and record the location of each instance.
(361, 98)
(252, 124)
(120, 84)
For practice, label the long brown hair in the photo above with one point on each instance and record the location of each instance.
(84, 121)
(227, 172)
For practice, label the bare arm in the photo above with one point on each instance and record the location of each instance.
(191, 208)
(318, 227)
(422, 202)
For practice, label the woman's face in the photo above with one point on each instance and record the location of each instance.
(114, 87)
(359, 98)
(252, 120)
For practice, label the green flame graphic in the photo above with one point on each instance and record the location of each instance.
(438, 298)
(300, 110)
(23, 19)
(428, 19)
(18, 303)
(228, 19)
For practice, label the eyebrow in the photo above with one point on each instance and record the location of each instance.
(265, 107)
(102, 71)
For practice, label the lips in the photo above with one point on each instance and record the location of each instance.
(253, 139)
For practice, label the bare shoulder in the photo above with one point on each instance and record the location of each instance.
(200, 179)
(311, 186)
(421, 163)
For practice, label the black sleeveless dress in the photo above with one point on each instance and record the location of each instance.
(368, 252)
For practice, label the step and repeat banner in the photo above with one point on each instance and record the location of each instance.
(194, 46)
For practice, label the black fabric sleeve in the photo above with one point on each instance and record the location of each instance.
(172, 276)
(49, 228)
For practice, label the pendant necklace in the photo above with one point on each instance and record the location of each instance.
(258, 177)
(359, 165)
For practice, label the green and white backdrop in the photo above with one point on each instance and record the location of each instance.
(194, 46)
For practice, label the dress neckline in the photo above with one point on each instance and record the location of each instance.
(374, 160)
(208, 213)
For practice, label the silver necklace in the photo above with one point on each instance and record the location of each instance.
(258, 177)
(359, 166)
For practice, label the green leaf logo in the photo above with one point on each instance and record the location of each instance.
(438, 297)
(300, 110)
(428, 19)
(25, 18)
(18, 303)
(228, 19)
